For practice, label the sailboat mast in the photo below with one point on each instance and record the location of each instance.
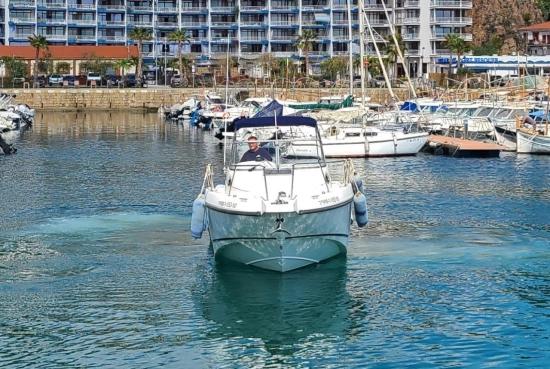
(362, 49)
(350, 34)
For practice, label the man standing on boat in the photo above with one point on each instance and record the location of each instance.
(255, 152)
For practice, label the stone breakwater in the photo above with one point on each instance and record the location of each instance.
(152, 98)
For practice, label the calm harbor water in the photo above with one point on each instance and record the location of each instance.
(98, 269)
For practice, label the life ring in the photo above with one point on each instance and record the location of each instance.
(226, 115)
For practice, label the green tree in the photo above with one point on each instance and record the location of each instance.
(457, 45)
(491, 47)
(62, 68)
(544, 6)
(16, 67)
(392, 51)
(139, 35)
(331, 67)
(39, 42)
(180, 36)
(304, 42)
(123, 64)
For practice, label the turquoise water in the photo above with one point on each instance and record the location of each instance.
(98, 269)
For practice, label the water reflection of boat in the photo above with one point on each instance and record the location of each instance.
(281, 309)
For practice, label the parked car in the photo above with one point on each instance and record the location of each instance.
(55, 79)
(69, 79)
(40, 81)
(93, 77)
(129, 80)
(178, 81)
(111, 80)
(379, 81)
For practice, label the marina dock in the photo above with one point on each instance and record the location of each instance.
(460, 148)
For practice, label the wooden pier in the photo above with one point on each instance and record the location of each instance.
(460, 148)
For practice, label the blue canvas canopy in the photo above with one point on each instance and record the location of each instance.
(283, 121)
(272, 109)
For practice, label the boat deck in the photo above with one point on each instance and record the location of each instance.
(460, 148)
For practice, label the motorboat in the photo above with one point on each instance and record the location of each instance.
(279, 215)
(355, 140)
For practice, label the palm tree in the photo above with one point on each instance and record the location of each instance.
(39, 42)
(458, 45)
(123, 64)
(392, 51)
(304, 42)
(180, 36)
(139, 35)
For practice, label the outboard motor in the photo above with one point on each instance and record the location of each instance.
(6, 148)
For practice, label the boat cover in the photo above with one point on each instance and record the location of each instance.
(283, 121)
(348, 101)
(272, 109)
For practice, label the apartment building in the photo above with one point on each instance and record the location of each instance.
(244, 28)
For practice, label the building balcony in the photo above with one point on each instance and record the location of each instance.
(194, 24)
(30, 20)
(252, 39)
(196, 9)
(20, 36)
(441, 36)
(167, 9)
(411, 4)
(456, 21)
(111, 23)
(222, 10)
(22, 4)
(139, 9)
(341, 22)
(284, 23)
(253, 24)
(223, 40)
(280, 54)
(48, 5)
(340, 38)
(284, 9)
(55, 37)
(112, 39)
(453, 4)
(166, 24)
(410, 36)
(314, 8)
(283, 39)
(81, 7)
(254, 9)
(140, 23)
(51, 21)
(222, 24)
(111, 8)
(376, 7)
(379, 22)
(86, 38)
(377, 38)
(409, 20)
(82, 22)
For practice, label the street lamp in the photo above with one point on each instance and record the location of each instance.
(422, 61)
(193, 73)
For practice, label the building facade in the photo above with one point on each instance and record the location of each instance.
(244, 28)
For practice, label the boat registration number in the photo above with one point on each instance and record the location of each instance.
(227, 204)
(330, 200)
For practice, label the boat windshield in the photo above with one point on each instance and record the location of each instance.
(285, 144)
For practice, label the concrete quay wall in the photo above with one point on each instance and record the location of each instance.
(152, 98)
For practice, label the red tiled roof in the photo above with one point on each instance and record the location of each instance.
(71, 52)
(537, 27)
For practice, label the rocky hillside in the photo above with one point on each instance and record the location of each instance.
(503, 18)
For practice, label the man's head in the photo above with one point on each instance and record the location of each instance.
(253, 143)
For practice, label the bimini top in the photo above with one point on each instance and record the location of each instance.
(282, 120)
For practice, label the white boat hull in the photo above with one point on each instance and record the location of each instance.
(398, 144)
(280, 241)
(530, 143)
